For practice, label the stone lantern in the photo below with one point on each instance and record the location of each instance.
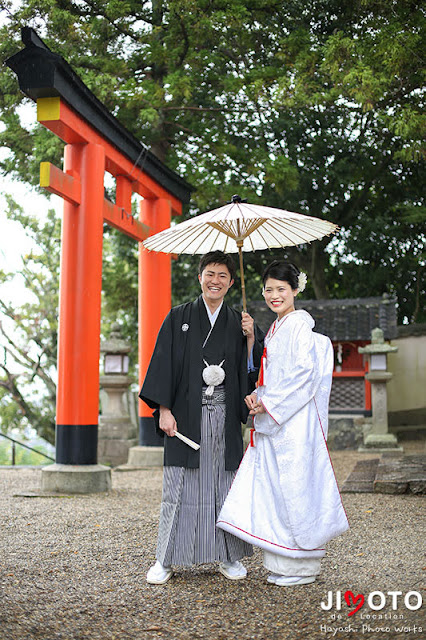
(379, 438)
(117, 433)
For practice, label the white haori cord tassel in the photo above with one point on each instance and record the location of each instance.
(213, 374)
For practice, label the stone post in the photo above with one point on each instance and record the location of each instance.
(379, 438)
(117, 433)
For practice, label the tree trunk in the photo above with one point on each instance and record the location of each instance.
(160, 145)
(319, 261)
(314, 262)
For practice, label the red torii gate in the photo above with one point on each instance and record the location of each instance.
(95, 143)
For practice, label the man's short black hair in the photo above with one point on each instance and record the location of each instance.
(217, 257)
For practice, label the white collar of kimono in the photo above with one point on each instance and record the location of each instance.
(275, 325)
(213, 374)
(212, 316)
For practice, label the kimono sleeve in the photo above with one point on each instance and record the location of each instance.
(295, 383)
(157, 388)
(256, 356)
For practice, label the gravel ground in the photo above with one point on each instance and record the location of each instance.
(73, 568)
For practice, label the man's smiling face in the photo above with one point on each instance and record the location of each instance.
(215, 281)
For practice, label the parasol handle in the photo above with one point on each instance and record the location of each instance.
(243, 286)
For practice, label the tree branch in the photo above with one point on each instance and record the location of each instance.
(186, 42)
(23, 359)
(10, 385)
(98, 11)
(212, 109)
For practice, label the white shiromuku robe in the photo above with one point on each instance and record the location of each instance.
(285, 498)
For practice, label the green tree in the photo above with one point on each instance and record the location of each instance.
(312, 107)
(29, 332)
(120, 286)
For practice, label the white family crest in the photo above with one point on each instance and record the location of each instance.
(185, 327)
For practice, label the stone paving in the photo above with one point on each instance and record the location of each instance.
(391, 473)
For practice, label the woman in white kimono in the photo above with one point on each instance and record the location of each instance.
(285, 498)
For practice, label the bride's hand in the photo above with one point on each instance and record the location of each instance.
(257, 408)
(251, 400)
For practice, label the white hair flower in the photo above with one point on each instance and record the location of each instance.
(301, 281)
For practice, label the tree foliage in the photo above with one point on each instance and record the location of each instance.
(29, 331)
(312, 107)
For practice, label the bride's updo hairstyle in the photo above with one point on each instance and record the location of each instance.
(280, 270)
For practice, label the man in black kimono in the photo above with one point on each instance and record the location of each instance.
(197, 381)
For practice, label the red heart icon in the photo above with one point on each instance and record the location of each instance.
(350, 596)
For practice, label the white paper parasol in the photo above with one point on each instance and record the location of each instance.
(238, 226)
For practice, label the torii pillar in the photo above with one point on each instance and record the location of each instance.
(154, 268)
(95, 143)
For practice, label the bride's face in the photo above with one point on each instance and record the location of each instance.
(279, 296)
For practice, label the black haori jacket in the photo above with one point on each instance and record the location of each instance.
(174, 377)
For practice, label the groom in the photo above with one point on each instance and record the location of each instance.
(194, 336)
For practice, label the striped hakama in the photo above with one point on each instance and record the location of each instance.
(193, 498)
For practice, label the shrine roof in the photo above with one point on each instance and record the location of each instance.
(340, 320)
(44, 74)
(410, 330)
